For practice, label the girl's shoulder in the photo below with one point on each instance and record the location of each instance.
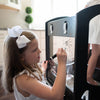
(20, 81)
(22, 78)
(25, 75)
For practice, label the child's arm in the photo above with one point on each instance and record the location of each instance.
(37, 88)
(92, 65)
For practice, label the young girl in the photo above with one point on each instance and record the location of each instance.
(21, 73)
(94, 39)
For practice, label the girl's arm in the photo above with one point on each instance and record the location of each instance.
(37, 88)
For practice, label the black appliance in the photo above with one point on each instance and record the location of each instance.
(74, 27)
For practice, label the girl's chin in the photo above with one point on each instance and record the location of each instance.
(38, 61)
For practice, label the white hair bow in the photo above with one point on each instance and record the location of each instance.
(16, 32)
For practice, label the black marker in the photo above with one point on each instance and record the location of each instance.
(54, 56)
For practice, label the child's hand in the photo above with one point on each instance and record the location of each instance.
(44, 66)
(61, 56)
(51, 62)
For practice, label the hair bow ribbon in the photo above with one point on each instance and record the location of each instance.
(16, 31)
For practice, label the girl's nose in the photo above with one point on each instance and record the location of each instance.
(39, 51)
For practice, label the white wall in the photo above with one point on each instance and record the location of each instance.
(9, 18)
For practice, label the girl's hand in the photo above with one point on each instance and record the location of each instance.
(44, 66)
(61, 56)
(51, 62)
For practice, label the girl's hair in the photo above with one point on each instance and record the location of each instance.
(13, 64)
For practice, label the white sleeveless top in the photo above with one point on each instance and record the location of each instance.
(18, 95)
(94, 25)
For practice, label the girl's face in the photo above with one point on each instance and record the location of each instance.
(32, 54)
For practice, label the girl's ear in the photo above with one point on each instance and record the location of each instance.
(22, 57)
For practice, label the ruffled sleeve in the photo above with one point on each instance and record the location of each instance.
(25, 72)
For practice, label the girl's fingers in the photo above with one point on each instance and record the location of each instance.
(51, 62)
(61, 51)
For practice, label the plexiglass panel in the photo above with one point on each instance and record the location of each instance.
(67, 43)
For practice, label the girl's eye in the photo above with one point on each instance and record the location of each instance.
(34, 50)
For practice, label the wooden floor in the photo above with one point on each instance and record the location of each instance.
(2, 93)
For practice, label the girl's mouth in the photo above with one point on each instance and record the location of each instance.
(38, 57)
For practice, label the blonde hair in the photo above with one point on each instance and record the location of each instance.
(12, 61)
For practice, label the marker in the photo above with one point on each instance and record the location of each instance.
(54, 56)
